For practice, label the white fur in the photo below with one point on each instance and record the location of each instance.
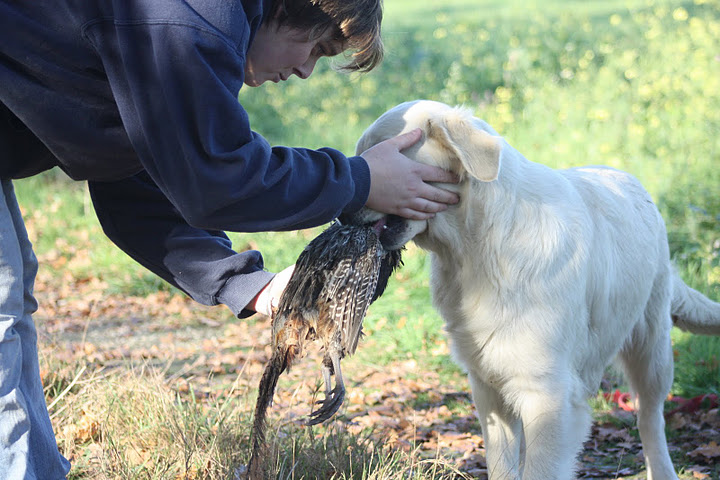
(543, 278)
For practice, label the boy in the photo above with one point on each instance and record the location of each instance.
(139, 98)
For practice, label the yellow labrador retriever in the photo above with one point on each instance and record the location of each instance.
(543, 278)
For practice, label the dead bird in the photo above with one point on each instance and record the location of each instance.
(337, 276)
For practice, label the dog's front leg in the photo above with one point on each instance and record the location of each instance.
(502, 432)
(554, 426)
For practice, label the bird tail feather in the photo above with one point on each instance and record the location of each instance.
(274, 368)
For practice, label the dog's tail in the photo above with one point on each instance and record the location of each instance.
(692, 311)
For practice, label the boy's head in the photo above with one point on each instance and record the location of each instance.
(354, 24)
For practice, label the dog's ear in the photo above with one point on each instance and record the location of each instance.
(477, 150)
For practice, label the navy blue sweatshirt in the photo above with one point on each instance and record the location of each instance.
(139, 98)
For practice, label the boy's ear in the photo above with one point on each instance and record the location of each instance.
(477, 150)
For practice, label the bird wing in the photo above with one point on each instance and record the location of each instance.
(341, 272)
(307, 282)
(389, 262)
(349, 292)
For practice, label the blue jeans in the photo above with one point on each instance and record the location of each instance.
(28, 450)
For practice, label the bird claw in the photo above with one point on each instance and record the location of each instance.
(329, 405)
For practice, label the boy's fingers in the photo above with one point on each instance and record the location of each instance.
(436, 174)
(408, 139)
(414, 214)
(442, 197)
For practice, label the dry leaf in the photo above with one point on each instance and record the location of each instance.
(708, 450)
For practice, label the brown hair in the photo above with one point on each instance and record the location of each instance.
(356, 23)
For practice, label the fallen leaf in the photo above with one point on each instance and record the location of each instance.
(708, 450)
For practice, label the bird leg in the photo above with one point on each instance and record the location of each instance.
(334, 397)
(327, 373)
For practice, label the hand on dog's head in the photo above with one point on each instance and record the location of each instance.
(452, 139)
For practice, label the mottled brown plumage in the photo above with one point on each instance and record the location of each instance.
(337, 276)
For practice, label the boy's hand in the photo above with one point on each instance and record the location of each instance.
(269, 297)
(397, 184)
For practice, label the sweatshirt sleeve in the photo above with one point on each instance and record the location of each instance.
(140, 220)
(176, 86)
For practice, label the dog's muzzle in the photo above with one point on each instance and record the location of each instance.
(394, 231)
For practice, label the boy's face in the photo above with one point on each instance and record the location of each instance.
(279, 52)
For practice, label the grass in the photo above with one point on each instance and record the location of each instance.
(411, 14)
(140, 428)
(697, 364)
(630, 84)
(135, 424)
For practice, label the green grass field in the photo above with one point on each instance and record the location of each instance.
(632, 84)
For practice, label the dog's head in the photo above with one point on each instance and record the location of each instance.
(452, 139)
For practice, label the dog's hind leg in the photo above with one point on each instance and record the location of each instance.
(502, 432)
(648, 365)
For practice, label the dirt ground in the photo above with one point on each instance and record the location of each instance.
(407, 406)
